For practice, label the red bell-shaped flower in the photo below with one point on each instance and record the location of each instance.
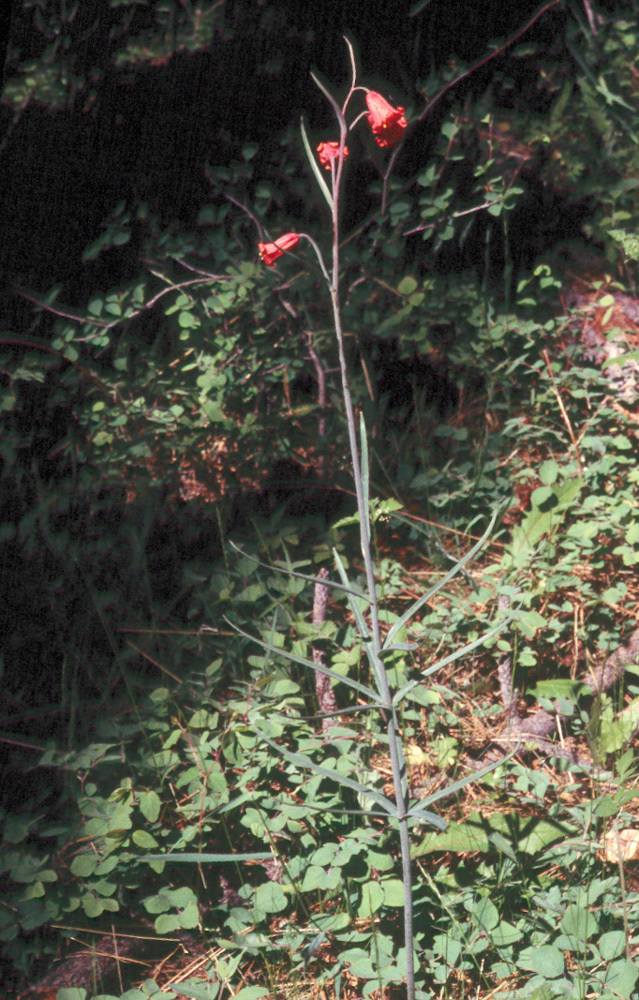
(269, 252)
(329, 151)
(388, 123)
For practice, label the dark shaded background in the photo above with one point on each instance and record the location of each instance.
(146, 131)
(143, 132)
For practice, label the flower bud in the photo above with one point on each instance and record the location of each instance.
(328, 152)
(269, 252)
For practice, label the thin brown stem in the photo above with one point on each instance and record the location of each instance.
(562, 409)
(482, 62)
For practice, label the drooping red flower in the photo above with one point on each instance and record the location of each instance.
(388, 123)
(269, 252)
(329, 151)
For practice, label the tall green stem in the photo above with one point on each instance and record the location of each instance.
(391, 719)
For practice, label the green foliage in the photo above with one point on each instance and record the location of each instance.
(196, 774)
(56, 71)
(202, 363)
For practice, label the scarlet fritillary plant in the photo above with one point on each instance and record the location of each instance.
(388, 125)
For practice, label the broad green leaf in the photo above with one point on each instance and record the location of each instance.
(541, 495)
(578, 924)
(331, 921)
(372, 899)
(621, 977)
(84, 865)
(568, 492)
(448, 948)
(143, 839)
(393, 891)
(324, 855)
(532, 529)
(527, 835)
(316, 877)
(612, 944)
(546, 960)
(93, 906)
(17, 828)
(150, 805)
(538, 523)
(270, 897)
(505, 934)
(363, 968)
(485, 914)
(187, 320)
(167, 899)
(189, 917)
(459, 838)
(561, 687)
(250, 993)
(614, 734)
(407, 285)
(249, 149)
(166, 923)
(548, 472)
(529, 622)
(211, 992)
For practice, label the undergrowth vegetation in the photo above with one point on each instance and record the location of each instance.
(171, 802)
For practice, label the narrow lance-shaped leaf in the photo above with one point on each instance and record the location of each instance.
(329, 97)
(398, 647)
(468, 648)
(349, 710)
(235, 803)
(399, 624)
(441, 793)
(365, 476)
(315, 166)
(418, 7)
(368, 692)
(426, 816)
(362, 627)
(302, 761)
(373, 659)
(300, 576)
(401, 760)
(212, 859)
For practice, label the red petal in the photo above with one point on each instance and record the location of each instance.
(269, 252)
(329, 151)
(387, 123)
